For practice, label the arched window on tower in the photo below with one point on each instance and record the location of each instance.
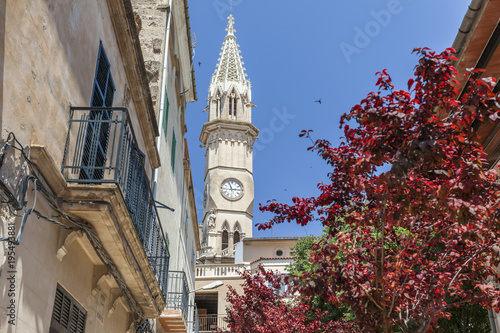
(232, 105)
(237, 233)
(218, 105)
(225, 239)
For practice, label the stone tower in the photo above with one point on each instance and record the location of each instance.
(228, 137)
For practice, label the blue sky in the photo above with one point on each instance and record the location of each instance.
(296, 52)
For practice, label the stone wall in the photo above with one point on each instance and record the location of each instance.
(151, 19)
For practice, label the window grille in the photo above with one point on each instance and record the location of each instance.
(68, 315)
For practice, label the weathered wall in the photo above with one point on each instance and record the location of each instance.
(172, 188)
(151, 19)
(48, 63)
(38, 271)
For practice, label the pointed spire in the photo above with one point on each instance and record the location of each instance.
(230, 25)
(230, 67)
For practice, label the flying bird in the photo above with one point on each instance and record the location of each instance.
(199, 64)
(318, 101)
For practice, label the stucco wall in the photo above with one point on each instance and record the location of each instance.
(255, 249)
(50, 64)
(37, 273)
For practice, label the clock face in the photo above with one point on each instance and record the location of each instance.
(231, 189)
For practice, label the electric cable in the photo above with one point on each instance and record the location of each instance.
(141, 324)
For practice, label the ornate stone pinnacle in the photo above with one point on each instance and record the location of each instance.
(230, 25)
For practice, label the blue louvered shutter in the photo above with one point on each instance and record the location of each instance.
(97, 135)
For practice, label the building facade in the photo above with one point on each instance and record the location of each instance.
(165, 37)
(84, 171)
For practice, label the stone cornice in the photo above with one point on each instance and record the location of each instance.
(228, 125)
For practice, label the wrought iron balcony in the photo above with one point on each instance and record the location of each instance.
(101, 148)
(176, 317)
(178, 292)
(212, 322)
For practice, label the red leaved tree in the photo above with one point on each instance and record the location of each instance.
(267, 307)
(411, 205)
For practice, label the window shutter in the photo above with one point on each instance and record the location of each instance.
(165, 114)
(172, 157)
(96, 139)
(68, 316)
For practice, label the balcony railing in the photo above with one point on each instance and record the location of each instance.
(178, 293)
(225, 252)
(101, 148)
(212, 322)
(194, 320)
(219, 270)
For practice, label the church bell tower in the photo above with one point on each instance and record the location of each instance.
(228, 137)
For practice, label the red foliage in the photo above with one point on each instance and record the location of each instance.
(412, 206)
(261, 308)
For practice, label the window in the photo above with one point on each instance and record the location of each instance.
(236, 237)
(232, 105)
(193, 258)
(101, 306)
(165, 114)
(68, 315)
(225, 237)
(172, 157)
(97, 134)
(279, 252)
(137, 185)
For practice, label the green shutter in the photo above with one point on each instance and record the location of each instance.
(165, 114)
(172, 157)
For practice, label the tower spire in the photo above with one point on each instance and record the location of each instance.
(230, 68)
(230, 25)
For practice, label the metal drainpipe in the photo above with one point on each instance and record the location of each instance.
(163, 92)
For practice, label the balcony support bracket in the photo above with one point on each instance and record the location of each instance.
(119, 299)
(63, 250)
(104, 278)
